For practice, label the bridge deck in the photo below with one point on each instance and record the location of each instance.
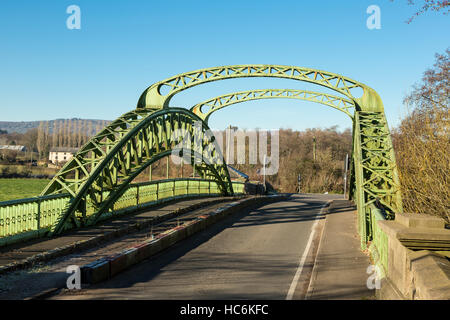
(21, 251)
(34, 281)
(252, 255)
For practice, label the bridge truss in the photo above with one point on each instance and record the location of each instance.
(104, 166)
(100, 172)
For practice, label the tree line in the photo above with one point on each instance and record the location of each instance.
(422, 143)
(69, 133)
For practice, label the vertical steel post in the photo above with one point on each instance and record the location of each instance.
(39, 214)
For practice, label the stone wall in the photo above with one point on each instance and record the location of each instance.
(412, 254)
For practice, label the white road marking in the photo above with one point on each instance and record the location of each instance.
(294, 282)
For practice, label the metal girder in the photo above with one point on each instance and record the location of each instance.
(159, 94)
(373, 171)
(374, 178)
(101, 170)
(206, 108)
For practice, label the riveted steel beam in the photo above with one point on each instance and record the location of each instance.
(206, 108)
(103, 167)
(159, 94)
(149, 137)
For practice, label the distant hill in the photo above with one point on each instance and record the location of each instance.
(24, 126)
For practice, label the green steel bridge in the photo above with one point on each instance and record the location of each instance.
(97, 182)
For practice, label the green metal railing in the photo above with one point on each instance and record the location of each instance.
(378, 240)
(32, 214)
(33, 217)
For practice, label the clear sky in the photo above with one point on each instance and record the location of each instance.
(98, 72)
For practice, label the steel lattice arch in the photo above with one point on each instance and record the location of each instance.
(119, 152)
(103, 168)
(206, 108)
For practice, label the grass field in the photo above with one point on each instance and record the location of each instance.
(24, 171)
(11, 189)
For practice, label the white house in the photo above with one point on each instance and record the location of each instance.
(60, 155)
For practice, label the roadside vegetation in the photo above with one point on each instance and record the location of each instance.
(422, 143)
(318, 155)
(11, 189)
(26, 171)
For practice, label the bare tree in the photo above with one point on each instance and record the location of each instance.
(434, 90)
(60, 134)
(69, 133)
(79, 133)
(40, 143)
(433, 5)
(30, 139)
(422, 144)
(98, 127)
(47, 139)
(89, 130)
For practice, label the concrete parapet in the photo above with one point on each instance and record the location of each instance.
(414, 220)
(431, 275)
(414, 270)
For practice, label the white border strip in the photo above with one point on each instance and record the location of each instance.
(294, 282)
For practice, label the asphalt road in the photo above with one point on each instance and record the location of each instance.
(254, 254)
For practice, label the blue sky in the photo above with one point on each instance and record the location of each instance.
(48, 71)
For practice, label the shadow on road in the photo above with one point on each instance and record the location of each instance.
(267, 266)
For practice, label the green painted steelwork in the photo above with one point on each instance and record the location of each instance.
(159, 94)
(376, 171)
(30, 218)
(206, 108)
(20, 216)
(379, 247)
(122, 150)
(97, 178)
(373, 176)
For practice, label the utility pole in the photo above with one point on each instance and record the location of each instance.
(314, 148)
(228, 144)
(345, 175)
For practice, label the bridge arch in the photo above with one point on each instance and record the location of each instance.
(374, 179)
(123, 149)
(205, 109)
(116, 154)
(153, 96)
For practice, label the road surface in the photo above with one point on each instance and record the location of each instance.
(255, 254)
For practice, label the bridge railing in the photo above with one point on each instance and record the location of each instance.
(378, 240)
(29, 218)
